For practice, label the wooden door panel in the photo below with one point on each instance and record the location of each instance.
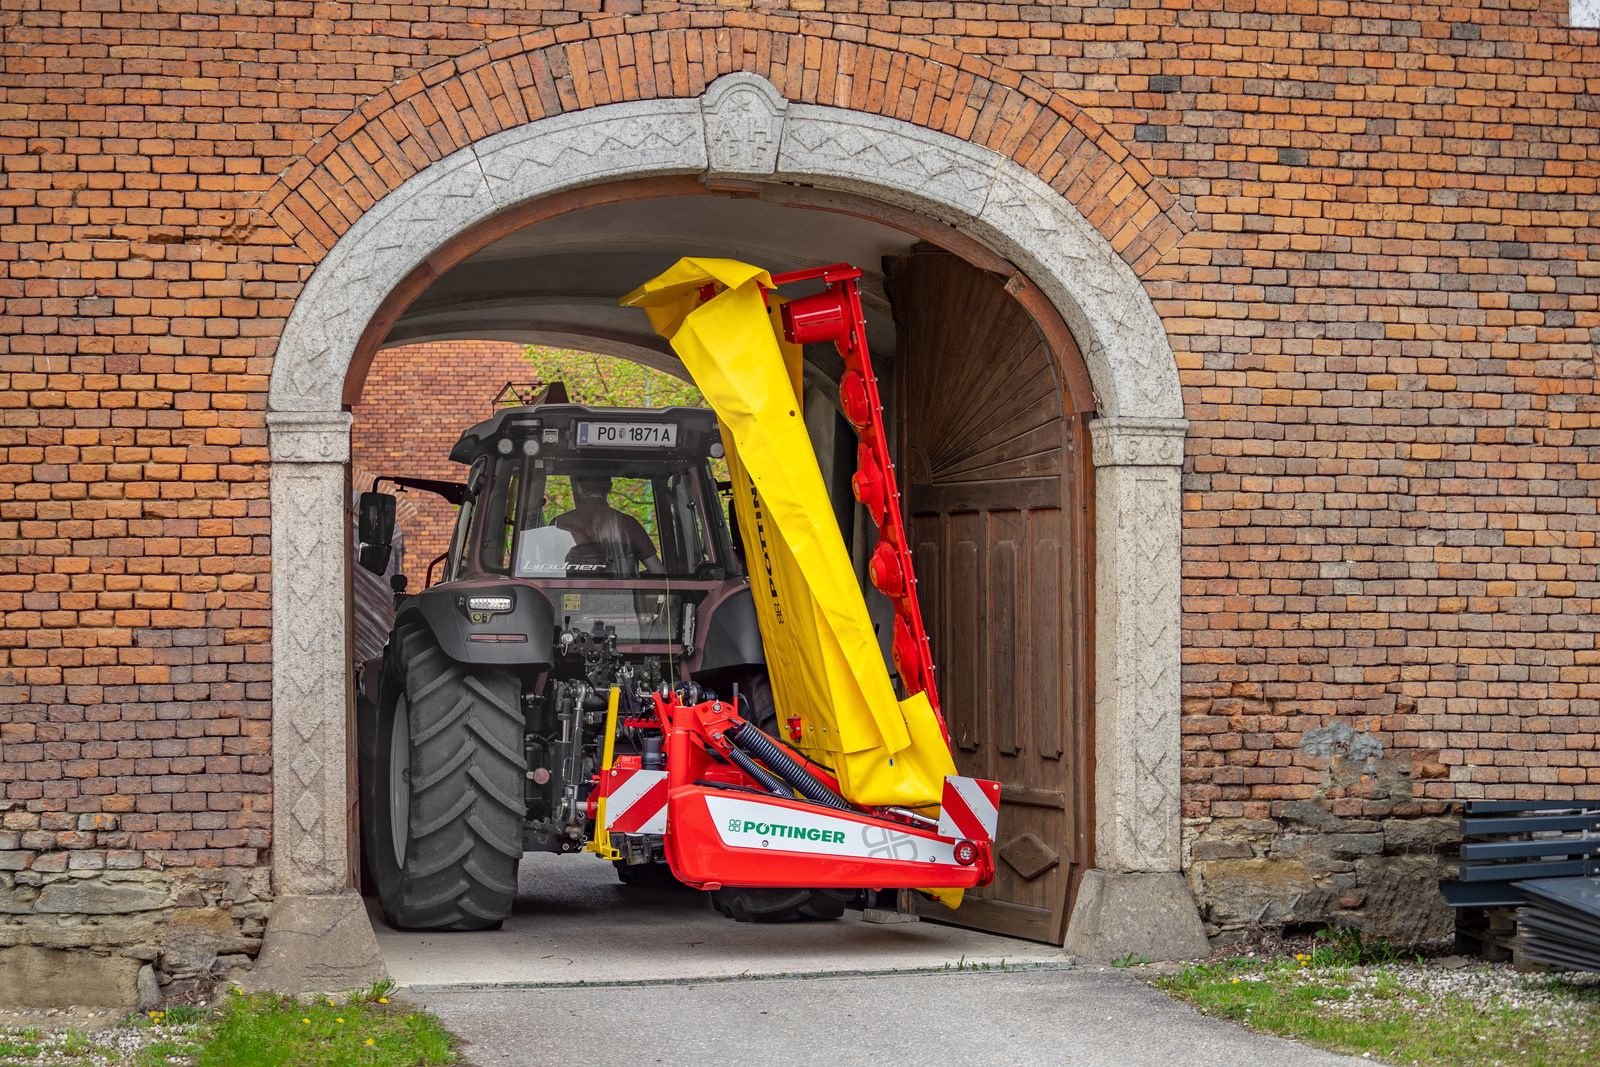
(1004, 692)
(964, 672)
(1048, 664)
(992, 474)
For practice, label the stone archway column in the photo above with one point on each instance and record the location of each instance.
(1135, 899)
(318, 936)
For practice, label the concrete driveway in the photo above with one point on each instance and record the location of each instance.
(590, 972)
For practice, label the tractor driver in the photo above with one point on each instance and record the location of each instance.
(596, 526)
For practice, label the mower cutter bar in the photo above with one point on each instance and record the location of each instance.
(724, 823)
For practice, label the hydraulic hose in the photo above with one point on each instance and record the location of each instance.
(769, 781)
(754, 740)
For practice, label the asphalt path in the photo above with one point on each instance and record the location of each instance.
(1022, 1018)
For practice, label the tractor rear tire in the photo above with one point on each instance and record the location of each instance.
(780, 905)
(442, 804)
(756, 703)
(646, 876)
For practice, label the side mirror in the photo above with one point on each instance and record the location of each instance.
(375, 531)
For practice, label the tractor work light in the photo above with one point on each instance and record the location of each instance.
(504, 446)
(488, 603)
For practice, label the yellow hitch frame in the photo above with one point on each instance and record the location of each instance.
(600, 843)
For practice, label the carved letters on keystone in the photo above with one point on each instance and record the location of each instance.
(743, 116)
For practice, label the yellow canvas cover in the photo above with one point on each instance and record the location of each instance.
(822, 654)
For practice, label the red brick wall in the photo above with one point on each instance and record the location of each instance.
(1369, 229)
(416, 402)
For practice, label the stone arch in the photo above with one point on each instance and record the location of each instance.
(743, 128)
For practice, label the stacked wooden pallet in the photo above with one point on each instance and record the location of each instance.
(1560, 924)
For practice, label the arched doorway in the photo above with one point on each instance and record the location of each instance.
(977, 203)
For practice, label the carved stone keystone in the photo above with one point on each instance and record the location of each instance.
(743, 116)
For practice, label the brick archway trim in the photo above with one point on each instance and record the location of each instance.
(743, 128)
(542, 74)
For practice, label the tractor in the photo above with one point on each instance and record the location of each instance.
(480, 725)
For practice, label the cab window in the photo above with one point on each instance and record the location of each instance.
(458, 540)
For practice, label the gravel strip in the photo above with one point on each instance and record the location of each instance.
(1552, 999)
(114, 1041)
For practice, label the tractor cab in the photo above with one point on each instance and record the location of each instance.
(613, 514)
(573, 492)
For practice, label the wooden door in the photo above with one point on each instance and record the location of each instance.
(994, 461)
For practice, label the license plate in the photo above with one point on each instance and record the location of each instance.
(628, 434)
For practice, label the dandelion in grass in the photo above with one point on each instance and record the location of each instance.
(383, 1000)
(339, 1019)
(369, 1042)
(306, 1021)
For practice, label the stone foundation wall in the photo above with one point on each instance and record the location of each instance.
(125, 938)
(1310, 868)
(1355, 849)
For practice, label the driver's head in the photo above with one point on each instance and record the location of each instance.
(589, 488)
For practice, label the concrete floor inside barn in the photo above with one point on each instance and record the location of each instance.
(575, 923)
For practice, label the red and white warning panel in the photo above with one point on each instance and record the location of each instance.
(636, 802)
(970, 808)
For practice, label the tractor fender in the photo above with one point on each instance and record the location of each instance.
(730, 637)
(522, 636)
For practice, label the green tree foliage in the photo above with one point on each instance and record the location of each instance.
(607, 381)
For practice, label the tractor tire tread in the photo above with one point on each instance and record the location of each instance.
(466, 809)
